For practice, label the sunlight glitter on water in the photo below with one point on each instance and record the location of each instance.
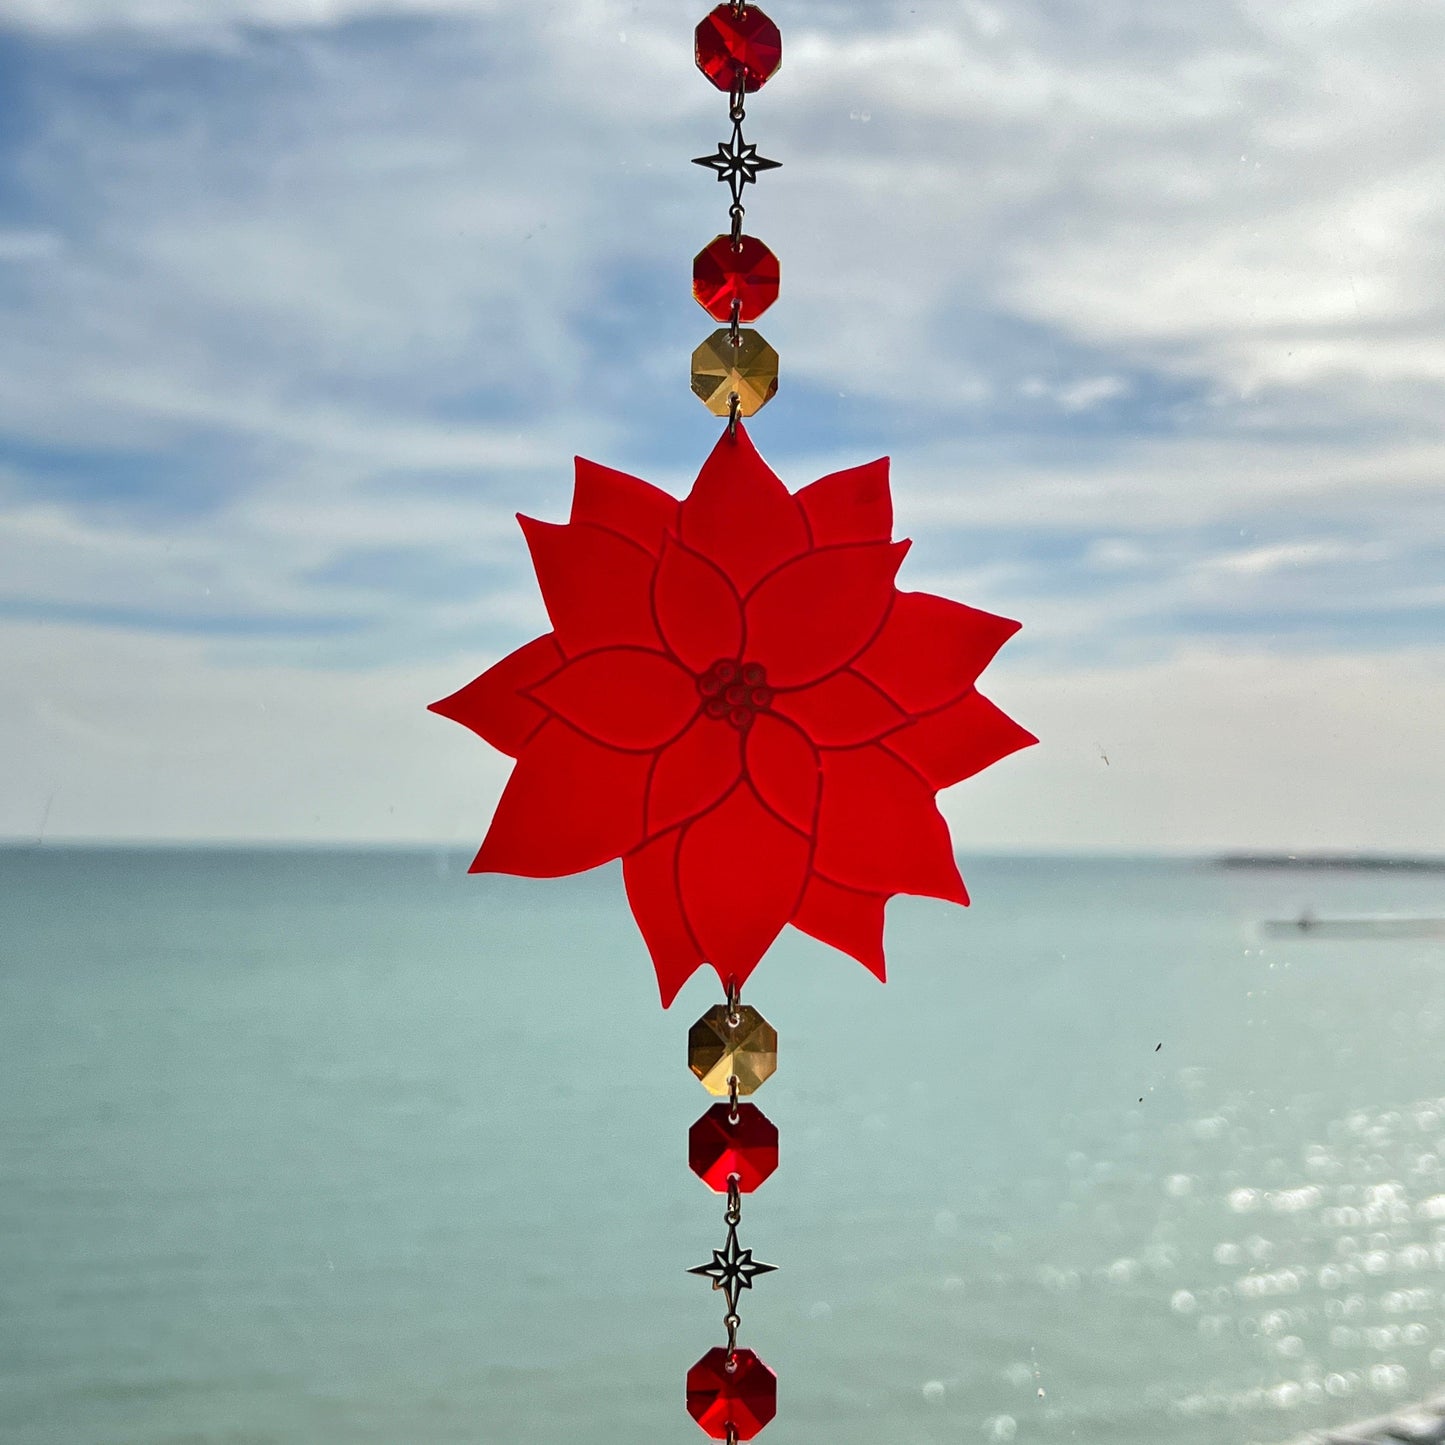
(1093, 1168)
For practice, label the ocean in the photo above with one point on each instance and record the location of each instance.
(324, 1148)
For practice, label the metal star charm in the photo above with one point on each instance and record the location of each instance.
(737, 162)
(733, 1269)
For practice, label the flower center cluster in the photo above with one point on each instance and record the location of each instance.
(735, 691)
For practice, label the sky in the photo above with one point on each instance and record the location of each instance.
(302, 300)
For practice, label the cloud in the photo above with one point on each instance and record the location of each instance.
(1186, 191)
(155, 737)
(191, 17)
(140, 735)
(1221, 747)
(20, 246)
(303, 300)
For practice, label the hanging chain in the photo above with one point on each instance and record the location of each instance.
(738, 113)
(736, 161)
(732, 1284)
(737, 64)
(733, 1268)
(732, 1049)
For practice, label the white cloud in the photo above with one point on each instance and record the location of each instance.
(1219, 749)
(1151, 544)
(139, 736)
(1262, 561)
(1135, 272)
(194, 16)
(1189, 194)
(18, 245)
(1162, 485)
(1244, 197)
(127, 734)
(1189, 198)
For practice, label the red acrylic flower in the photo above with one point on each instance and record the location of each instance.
(736, 701)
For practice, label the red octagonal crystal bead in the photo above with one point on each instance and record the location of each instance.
(747, 274)
(718, 1148)
(729, 45)
(741, 1393)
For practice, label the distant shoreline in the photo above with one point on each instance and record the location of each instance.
(1352, 862)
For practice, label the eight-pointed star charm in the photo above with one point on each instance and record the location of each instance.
(737, 162)
(737, 701)
(733, 1269)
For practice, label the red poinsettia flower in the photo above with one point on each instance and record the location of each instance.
(737, 701)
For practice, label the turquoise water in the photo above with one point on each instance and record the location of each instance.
(321, 1148)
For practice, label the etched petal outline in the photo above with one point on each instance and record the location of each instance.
(628, 698)
(879, 828)
(621, 503)
(816, 613)
(846, 919)
(495, 705)
(740, 515)
(696, 609)
(788, 787)
(571, 804)
(958, 740)
(693, 773)
(854, 505)
(931, 650)
(596, 584)
(740, 848)
(842, 710)
(653, 893)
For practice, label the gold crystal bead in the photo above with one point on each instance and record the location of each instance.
(729, 1044)
(748, 370)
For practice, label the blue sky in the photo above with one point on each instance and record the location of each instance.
(303, 299)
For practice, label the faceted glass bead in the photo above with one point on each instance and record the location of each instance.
(720, 369)
(718, 1148)
(745, 1050)
(748, 43)
(747, 274)
(744, 1396)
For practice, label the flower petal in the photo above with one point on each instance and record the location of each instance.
(880, 831)
(494, 705)
(697, 608)
(740, 515)
(816, 614)
(650, 876)
(570, 804)
(784, 768)
(931, 650)
(959, 740)
(693, 773)
(846, 919)
(741, 873)
(638, 510)
(841, 711)
(597, 586)
(623, 697)
(850, 506)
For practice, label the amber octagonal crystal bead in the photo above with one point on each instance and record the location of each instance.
(740, 1392)
(729, 45)
(746, 274)
(727, 1142)
(748, 371)
(724, 1045)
